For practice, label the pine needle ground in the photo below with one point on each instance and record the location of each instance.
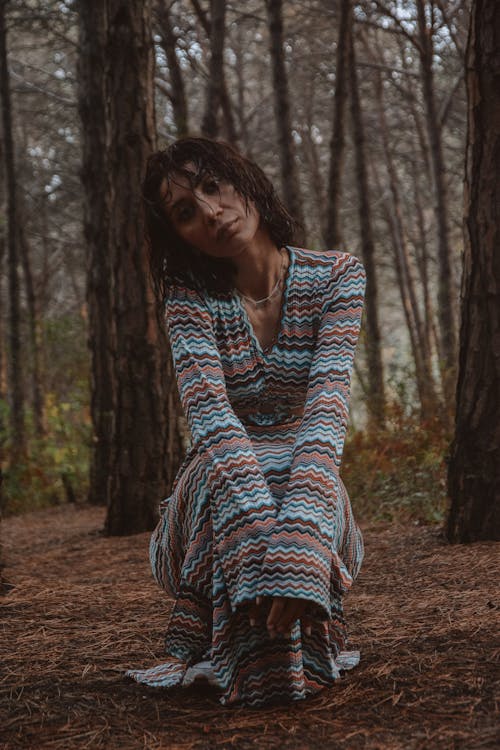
(83, 608)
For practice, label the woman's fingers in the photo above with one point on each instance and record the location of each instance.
(292, 611)
(257, 610)
(306, 625)
(275, 613)
(253, 611)
(283, 612)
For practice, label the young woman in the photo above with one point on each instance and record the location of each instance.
(257, 543)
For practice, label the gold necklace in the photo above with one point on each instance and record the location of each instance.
(259, 302)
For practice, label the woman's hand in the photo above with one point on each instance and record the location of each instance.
(282, 612)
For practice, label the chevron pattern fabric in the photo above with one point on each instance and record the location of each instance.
(258, 507)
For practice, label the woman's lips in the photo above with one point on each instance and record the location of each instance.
(225, 230)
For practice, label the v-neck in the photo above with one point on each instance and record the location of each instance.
(268, 350)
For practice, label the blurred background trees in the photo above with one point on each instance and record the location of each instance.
(357, 112)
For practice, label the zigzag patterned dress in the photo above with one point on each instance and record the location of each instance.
(258, 507)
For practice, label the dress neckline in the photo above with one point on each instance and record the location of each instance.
(266, 351)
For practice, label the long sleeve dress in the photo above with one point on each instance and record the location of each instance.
(258, 507)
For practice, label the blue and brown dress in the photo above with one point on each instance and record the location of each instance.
(258, 507)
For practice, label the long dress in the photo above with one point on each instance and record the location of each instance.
(258, 507)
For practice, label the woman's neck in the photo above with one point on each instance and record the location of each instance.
(259, 267)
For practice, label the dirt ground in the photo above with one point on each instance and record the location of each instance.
(84, 608)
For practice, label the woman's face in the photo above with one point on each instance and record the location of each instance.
(212, 216)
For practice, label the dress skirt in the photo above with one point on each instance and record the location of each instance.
(245, 663)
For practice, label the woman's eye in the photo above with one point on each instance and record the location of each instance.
(185, 213)
(211, 186)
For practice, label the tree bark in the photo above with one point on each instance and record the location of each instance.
(3, 359)
(3, 585)
(239, 52)
(317, 183)
(4, 588)
(446, 306)
(289, 178)
(130, 350)
(215, 32)
(139, 477)
(423, 370)
(376, 390)
(333, 230)
(35, 330)
(210, 125)
(422, 257)
(474, 469)
(97, 178)
(17, 422)
(3, 375)
(177, 90)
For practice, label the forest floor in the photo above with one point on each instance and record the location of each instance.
(83, 608)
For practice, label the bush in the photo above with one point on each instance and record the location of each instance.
(55, 468)
(398, 473)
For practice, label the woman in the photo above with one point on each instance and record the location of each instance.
(257, 542)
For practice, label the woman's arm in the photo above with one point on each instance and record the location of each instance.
(300, 557)
(243, 510)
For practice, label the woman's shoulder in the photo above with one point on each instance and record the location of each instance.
(179, 291)
(184, 302)
(327, 264)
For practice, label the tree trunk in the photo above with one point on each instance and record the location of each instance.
(333, 230)
(3, 585)
(35, 333)
(231, 133)
(474, 469)
(4, 588)
(97, 178)
(139, 477)
(130, 345)
(423, 370)
(209, 125)
(16, 370)
(168, 42)
(446, 306)
(376, 391)
(311, 159)
(239, 52)
(3, 359)
(317, 183)
(432, 338)
(211, 26)
(422, 258)
(289, 177)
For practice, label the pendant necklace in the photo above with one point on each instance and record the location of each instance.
(259, 302)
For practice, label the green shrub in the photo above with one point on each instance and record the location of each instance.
(55, 466)
(398, 473)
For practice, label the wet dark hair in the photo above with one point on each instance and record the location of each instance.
(171, 258)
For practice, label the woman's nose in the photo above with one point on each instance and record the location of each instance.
(210, 207)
